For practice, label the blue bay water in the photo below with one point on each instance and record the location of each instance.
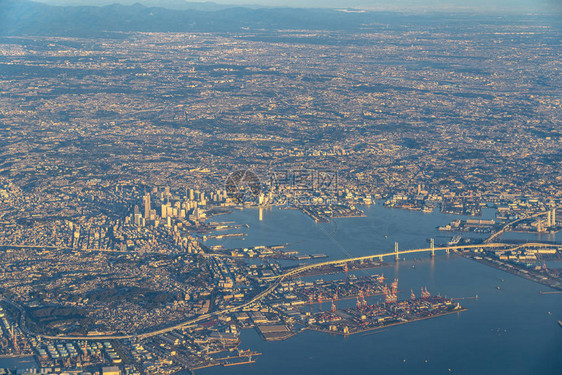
(18, 363)
(510, 330)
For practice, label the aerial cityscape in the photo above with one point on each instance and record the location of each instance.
(202, 188)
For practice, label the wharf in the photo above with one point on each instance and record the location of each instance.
(330, 269)
(507, 267)
(369, 329)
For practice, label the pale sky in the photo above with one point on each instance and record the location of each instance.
(518, 6)
(483, 5)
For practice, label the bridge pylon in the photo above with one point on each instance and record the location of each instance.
(432, 247)
(396, 255)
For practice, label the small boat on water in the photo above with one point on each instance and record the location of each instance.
(560, 323)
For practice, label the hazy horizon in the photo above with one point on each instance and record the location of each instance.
(492, 6)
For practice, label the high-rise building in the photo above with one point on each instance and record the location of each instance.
(165, 210)
(147, 206)
(138, 219)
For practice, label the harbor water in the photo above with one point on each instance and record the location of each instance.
(509, 329)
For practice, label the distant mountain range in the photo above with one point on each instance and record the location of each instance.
(482, 6)
(26, 17)
(22, 17)
(168, 4)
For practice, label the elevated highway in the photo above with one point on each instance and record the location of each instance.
(278, 279)
(506, 226)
